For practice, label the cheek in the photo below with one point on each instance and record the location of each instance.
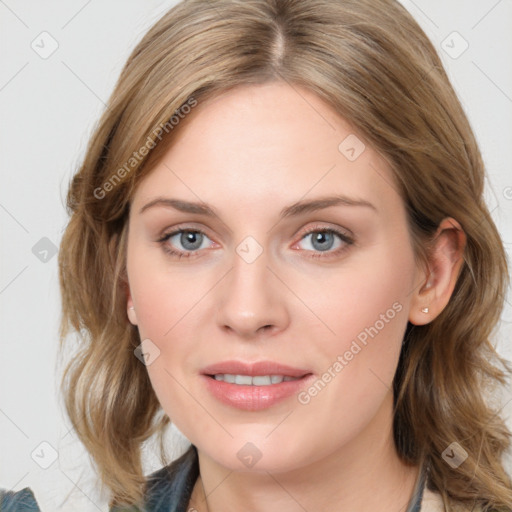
(367, 308)
(165, 296)
(167, 305)
(366, 305)
(372, 288)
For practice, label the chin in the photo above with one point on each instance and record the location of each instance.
(257, 453)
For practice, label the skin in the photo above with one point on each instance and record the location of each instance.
(249, 153)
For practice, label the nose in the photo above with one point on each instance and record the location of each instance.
(251, 300)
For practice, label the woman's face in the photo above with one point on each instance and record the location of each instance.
(274, 276)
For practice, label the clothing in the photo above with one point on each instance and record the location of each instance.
(171, 487)
(169, 490)
(21, 501)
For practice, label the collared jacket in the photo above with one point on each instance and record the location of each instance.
(169, 490)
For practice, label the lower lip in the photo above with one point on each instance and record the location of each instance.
(254, 398)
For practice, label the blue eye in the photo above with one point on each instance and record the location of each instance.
(323, 240)
(190, 240)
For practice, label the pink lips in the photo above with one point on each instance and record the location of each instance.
(249, 397)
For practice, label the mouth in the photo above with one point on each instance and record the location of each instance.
(254, 386)
(248, 380)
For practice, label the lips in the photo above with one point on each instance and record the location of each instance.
(259, 394)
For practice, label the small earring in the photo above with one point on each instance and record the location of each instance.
(424, 310)
(131, 307)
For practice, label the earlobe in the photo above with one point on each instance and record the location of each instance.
(132, 316)
(130, 309)
(437, 285)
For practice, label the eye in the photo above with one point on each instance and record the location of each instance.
(187, 243)
(323, 240)
(192, 240)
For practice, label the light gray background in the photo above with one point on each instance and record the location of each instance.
(48, 109)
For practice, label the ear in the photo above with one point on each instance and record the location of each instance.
(130, 307)
(438, 282)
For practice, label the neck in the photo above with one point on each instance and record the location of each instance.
(365, 474)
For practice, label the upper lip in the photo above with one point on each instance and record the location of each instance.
(253, 369)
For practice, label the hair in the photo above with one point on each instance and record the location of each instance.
(373, 65)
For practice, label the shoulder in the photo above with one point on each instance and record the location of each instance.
(22, 501)
(169, 489)
(433, 502)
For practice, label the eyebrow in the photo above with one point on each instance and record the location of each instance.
(298, 208)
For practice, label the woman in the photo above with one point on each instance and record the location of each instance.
(278, 241)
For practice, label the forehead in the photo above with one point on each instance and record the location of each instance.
(270, 142)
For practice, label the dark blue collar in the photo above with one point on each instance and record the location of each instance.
(170, 488)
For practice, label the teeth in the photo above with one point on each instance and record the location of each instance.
(262, 380)
(243, 379)
(257, 380)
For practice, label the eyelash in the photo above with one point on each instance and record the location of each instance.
(317, 254)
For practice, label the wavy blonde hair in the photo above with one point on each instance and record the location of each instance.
(373, 64)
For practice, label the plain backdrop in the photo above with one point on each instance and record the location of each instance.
(49, 104)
